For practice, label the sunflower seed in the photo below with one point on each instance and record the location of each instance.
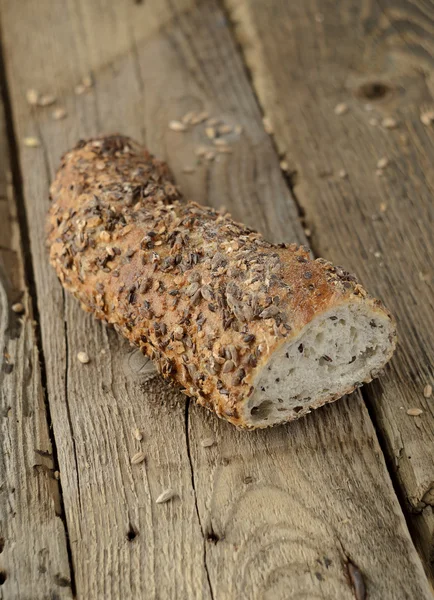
(165, 496)
(389, 123)
(18, 308)
(207, 442)
(32, 97)
(31, 142)
(228, 366)
(58, 114)
(414, 412)
(269, 312)
(341, 109)
(138, 458)
(177, 126)
(207, 293)
(46, 100)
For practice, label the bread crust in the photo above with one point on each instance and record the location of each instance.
(208, 299)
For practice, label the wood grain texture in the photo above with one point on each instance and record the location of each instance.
(379, 224)
(33, 552)
(276, 514)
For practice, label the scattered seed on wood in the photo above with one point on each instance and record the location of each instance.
(427, 117)
(383, 207)
(212, 122)
(138, 458)
(341, 109)
(199, 118)
(83, 357)
(18, 308)
(427, 391)
(220, 142)
(414, 412)
(177, 126)
(224, 129)
(210, 155)
(307, 232)
(210, 132)
(382, 163)
(32, 97)
(31, 142)
(165, 496)
(186, 119)
(389, 123)
(207, 442)
(46, 100)
(343, 174)
(188, 170)
(56, 475)
(137, 434)
(87, 81)
(79, 89)
(238, 129)
(224, 149)
(267, 125)
(379, 172)
(284, 165)
(58, 114)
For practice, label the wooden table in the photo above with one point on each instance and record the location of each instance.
(337, 505)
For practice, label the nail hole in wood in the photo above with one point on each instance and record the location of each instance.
(3, 577)
(374, 90)
(132, 533)
(212, 537)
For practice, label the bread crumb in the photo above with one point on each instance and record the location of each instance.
(165, 496)
(389, 123)
(414, 412)
(177, 126)
(341, 109)
(58, 114)
(427, 117)
(138, 458)
(31, 142)
(382, 163)
(427, 391)
(32, 97)
(207, 442)
(18, 308)
(83, 357)
(137, 434)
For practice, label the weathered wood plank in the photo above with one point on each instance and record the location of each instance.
(153, 62)
(33, 551)
(378, 59)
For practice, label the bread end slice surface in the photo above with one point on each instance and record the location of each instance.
(335, 353)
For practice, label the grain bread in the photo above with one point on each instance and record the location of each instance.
(258, 333)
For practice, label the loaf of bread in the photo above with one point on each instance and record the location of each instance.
(258, 333)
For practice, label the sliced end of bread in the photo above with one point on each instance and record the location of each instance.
(335, 353)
